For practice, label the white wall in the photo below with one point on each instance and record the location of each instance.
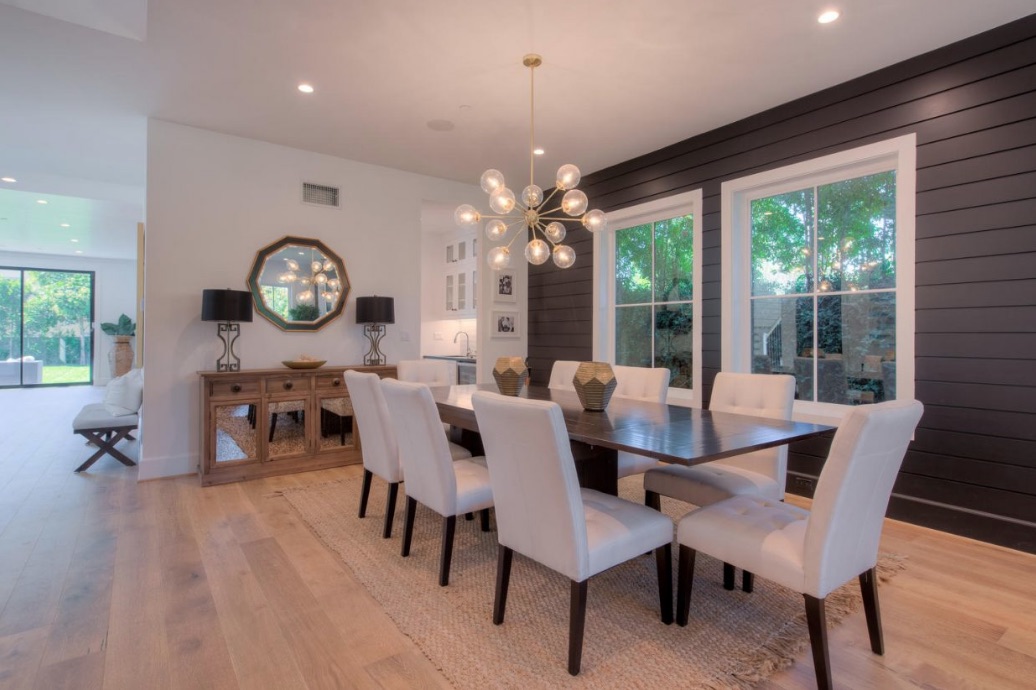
(212, 201)
(115, 293)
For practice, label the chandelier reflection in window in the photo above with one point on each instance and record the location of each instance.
(531, 210)
(322, 280)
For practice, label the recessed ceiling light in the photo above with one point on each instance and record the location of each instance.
(74, 240)
(79, 251)
(41, 201)
(538, 152)
(306, 88)
(828, 16)
(65, 225)
(8, 179)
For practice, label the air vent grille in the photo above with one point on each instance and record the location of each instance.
(320, 195)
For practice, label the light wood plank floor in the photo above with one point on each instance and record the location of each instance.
(109, 583)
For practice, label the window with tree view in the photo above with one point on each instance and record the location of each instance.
(823, 288)
(654, 315)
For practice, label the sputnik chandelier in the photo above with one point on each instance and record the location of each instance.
(531, 211)
(319, 282)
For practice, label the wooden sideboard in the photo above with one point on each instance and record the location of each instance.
(265, 422)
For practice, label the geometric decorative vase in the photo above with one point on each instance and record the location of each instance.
(120, 357)
(594, 382)
(510, 374)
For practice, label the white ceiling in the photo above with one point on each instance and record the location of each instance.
(618, 79)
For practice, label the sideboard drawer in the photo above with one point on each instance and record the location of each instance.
(234, 389)
(287, 384)
(330, 381)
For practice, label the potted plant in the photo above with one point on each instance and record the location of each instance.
(120, 358)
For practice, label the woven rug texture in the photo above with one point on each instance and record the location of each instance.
(733, 639)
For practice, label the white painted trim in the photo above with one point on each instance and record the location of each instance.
(604, 281)
(900, 154)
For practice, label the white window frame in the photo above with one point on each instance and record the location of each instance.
(686, 203)
(898, 154)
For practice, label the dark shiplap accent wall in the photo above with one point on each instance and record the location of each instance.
(972, 466)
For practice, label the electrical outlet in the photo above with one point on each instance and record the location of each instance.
(803, 484)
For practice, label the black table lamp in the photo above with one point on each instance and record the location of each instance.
(228, 307)
(374, 312)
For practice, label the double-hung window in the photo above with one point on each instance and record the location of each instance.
(647, 291)
(819, 276)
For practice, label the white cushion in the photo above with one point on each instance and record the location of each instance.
(125, 394)
(618, 530)
(459, 452)
(474, 491)
(762, 536)
(95, 416)
(709, 483)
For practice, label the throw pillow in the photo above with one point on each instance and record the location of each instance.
(124, 394)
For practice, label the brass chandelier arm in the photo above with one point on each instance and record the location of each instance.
(550, 196)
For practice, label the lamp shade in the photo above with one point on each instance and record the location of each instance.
(226, 305)
(375, 310)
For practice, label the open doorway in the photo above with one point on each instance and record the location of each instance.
(46, 334)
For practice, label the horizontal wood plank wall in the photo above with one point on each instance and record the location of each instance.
(972, 467)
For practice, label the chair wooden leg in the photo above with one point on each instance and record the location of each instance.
(504, 556)
(747, 581)
(484, 515)
(816, 619)
(469, 516)
(684, 583)
(664, 565)
(390, 509)
(273, 426)
(653, 500)
(576, 624)
(449, 526)
(728, 576)
(365, 491)
(869, 588)
(408, 525)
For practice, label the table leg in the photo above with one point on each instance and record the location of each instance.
(597, 467)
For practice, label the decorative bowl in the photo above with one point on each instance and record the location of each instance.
(594, 383)
(305, 364)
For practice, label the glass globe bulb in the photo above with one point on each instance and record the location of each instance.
(568, 176)
(292, 264)
(287, 277)
(532, 196)
(316, 266)
(564, 256)
(329, 265)
(537, 251)
(326, 296)
(320, 279)
(304, 297)
(466, 215)
(499, 257)
(492, 180)
(555, 232)
(496, 229)
(574, 202)
(333, 283)
(595, 220)
(502, 200)
(305, 281)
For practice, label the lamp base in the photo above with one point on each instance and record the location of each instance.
(374, 332)
(228, 334)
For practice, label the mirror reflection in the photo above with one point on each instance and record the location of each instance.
(298, 284)
(287, 434)
(235, 433)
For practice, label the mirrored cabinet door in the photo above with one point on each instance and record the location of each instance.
(336, 423)
(236, 435)
(286, 428)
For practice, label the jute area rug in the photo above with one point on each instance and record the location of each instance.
(733, 640)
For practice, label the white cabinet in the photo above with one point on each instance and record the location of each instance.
(461, 275)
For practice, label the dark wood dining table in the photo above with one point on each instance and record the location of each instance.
(670, 433)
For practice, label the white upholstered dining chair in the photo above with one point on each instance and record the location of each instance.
(433, 478)
(562, 373)
(543, 514)
(761, 473)
(639, 383)
(813, 552)
(433, 372)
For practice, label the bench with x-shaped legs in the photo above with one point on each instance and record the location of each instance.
(104, 430)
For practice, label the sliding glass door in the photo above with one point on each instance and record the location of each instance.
(46, 327)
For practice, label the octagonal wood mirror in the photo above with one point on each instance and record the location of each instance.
(298, 284)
